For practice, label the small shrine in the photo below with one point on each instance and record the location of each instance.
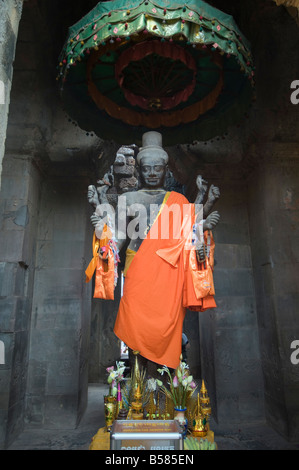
(149, 401)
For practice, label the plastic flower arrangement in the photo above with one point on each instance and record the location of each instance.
(180, 384)
(115, 376)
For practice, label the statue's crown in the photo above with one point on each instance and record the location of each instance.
(152, 146)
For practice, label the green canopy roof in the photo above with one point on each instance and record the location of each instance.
(129, 67)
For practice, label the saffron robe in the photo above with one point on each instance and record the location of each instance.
(152, 308)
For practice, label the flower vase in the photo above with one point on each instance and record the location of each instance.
(179, 416)
(110, 410)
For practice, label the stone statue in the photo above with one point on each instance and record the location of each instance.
(155, 339)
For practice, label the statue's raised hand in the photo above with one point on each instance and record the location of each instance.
(211, 221)
(102, 192)
(214, 194)
(92, 196)
(202, 186)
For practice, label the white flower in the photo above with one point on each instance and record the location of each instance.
(164, 369)
(152, 384)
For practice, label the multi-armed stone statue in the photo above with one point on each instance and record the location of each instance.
(166, 262)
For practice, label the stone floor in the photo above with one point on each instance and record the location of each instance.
(256, 436)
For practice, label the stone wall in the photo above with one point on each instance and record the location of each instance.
(19, 203)
(60, 329)
(274, 217)
(10, 14)
(229, 338)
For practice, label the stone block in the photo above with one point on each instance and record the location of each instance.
(267, 279)
(35, 411)
(56, 345)
(60, 254)
(52, 283)
(7, 278)
(233, 282)
(15, 187)
(232, 256)
(23, 314)
(231, 233)
(287, 308)
(276, 416)
(237, 359)
(260, 252)
(235, 312)
(5, 376)
(3, 422)
(266, 308)
(13, 166)
(37, 377)
(62, 313)
(68, 226)
(61, 411)
(228, 407)
(10, 308)
(286, 278)
(62, 375)
(251, 406)
(15, 422)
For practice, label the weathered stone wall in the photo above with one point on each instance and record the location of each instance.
(19, 202)
(274, 217)
(10, 14)
(60, 328)
(229, 334)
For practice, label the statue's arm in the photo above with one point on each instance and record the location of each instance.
(210, 220)
(202, 186)
(213, 196)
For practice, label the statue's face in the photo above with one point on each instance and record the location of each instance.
(152, 172)
(124, 163)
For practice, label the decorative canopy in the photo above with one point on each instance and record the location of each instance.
(182, 69)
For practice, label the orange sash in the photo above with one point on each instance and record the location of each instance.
(104, 279)
(199, 288)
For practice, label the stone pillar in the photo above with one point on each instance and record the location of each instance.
(60, 327)
(19, 205)
(10, 15)
(274, 217)
(229, 343)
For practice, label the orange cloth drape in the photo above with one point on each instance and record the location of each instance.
(104, 278)
(151, 311)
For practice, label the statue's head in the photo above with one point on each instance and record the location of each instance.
(124, 163)
(152, 161)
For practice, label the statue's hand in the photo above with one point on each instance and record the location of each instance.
(214, 194)
(102, 192)
(92, 196)
(95, 219)
(211, 221)
(201, 183)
